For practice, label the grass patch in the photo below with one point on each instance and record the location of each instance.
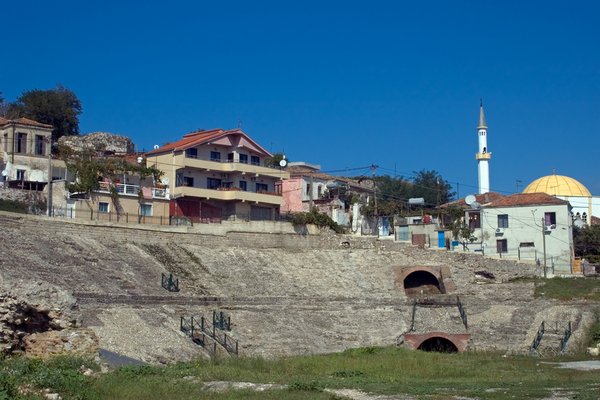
(385, 371)
(13, 206)
(568, 288)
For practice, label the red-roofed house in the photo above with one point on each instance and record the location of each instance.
(24, 152)
(218, 174)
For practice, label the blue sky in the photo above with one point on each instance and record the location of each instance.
(341, 84)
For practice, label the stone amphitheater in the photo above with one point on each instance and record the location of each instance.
(285, 294)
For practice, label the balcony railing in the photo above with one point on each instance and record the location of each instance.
(133, 190)
(220, 160)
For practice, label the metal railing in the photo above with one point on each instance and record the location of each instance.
(170, 283)
(221, 321)
(412, 316)
(538, 339)
(132, 190)
(462, 311)
(565, 338)
(197, 329)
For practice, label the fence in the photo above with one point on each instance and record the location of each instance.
(169, 283)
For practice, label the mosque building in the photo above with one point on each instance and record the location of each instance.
(584, 205)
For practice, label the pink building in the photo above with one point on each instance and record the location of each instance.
(333, 195)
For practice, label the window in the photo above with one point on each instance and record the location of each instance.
(103, 207)
(550, 219)
(229, 157)
(502, 246)
(308, 188)
(212, 183)
(503, 221)
(243, 185)
(474, 220)
(244, 158)
(5, 142)
(191, 153)
(21, 175)
(526, 244)
(255, 160)
(188, 181)
(262, 187)
(215, 156)
(146, 210)
(21, 143)
(319, 191)
(39, 145)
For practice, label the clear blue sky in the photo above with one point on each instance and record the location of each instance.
(342, 84)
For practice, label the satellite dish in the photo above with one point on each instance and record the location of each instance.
(165, 181)
(470, 199)
(140, 159)
(283, 163)
(475, 205)
(156, 146)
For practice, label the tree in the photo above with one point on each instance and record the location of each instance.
(274, 160)
(58, 107)
(430, 185)
(586, 241)
(3, 106)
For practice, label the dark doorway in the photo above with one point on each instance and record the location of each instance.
(439, 345)
(421, 282)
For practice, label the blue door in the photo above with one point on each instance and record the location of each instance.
(441, 239)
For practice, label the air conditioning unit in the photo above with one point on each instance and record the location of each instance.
(500, 231)
(548, 228)
(553, 226)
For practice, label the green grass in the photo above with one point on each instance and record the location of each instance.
(13, 206)
(375, 370)
(568, 288)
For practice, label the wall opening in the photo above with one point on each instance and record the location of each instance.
(439, 345)
(421, 282)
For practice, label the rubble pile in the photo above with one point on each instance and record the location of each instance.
(39, 320)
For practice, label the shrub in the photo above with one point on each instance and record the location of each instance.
(314, 217)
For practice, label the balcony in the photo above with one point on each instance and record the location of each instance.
(228, 194)
(186, 161)
(134, 190)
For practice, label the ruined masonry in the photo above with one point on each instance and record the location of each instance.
(286, 294)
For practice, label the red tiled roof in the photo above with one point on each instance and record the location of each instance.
(23, 121)
(526, 199)
(201, 137)
(480, 198)
(303, 171)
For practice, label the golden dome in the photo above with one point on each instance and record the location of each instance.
(558, 185)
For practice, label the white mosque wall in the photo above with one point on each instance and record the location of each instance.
(588, 205)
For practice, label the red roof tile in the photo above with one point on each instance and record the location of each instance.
(201, 137)
(23, 121)
(526, 199)
(480, 198)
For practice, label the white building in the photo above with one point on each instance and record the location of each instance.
(529, 226)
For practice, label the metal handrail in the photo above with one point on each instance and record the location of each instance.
(463, 312)
(538, 339)
(565, 338)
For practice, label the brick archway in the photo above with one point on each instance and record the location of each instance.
(416, 340)
(419, 280)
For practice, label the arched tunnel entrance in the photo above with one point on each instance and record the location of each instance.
(422, 282)
(439, 345)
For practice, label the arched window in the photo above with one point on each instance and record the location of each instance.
(584, 217)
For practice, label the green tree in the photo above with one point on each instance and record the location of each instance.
(274, 160)
(586, 241)
(430, 185)
(58, 107)
(3, 106)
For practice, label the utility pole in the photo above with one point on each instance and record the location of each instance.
(310, 192)
(544, 242)
(49, 202)
(373, 169)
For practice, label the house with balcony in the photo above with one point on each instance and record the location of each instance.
(25, 148)
(125, 197)
(219, 174)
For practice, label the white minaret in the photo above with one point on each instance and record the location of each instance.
(483, 156)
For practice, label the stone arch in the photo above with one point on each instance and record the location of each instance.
(424, 280)
(438, 344)
(438, 341)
